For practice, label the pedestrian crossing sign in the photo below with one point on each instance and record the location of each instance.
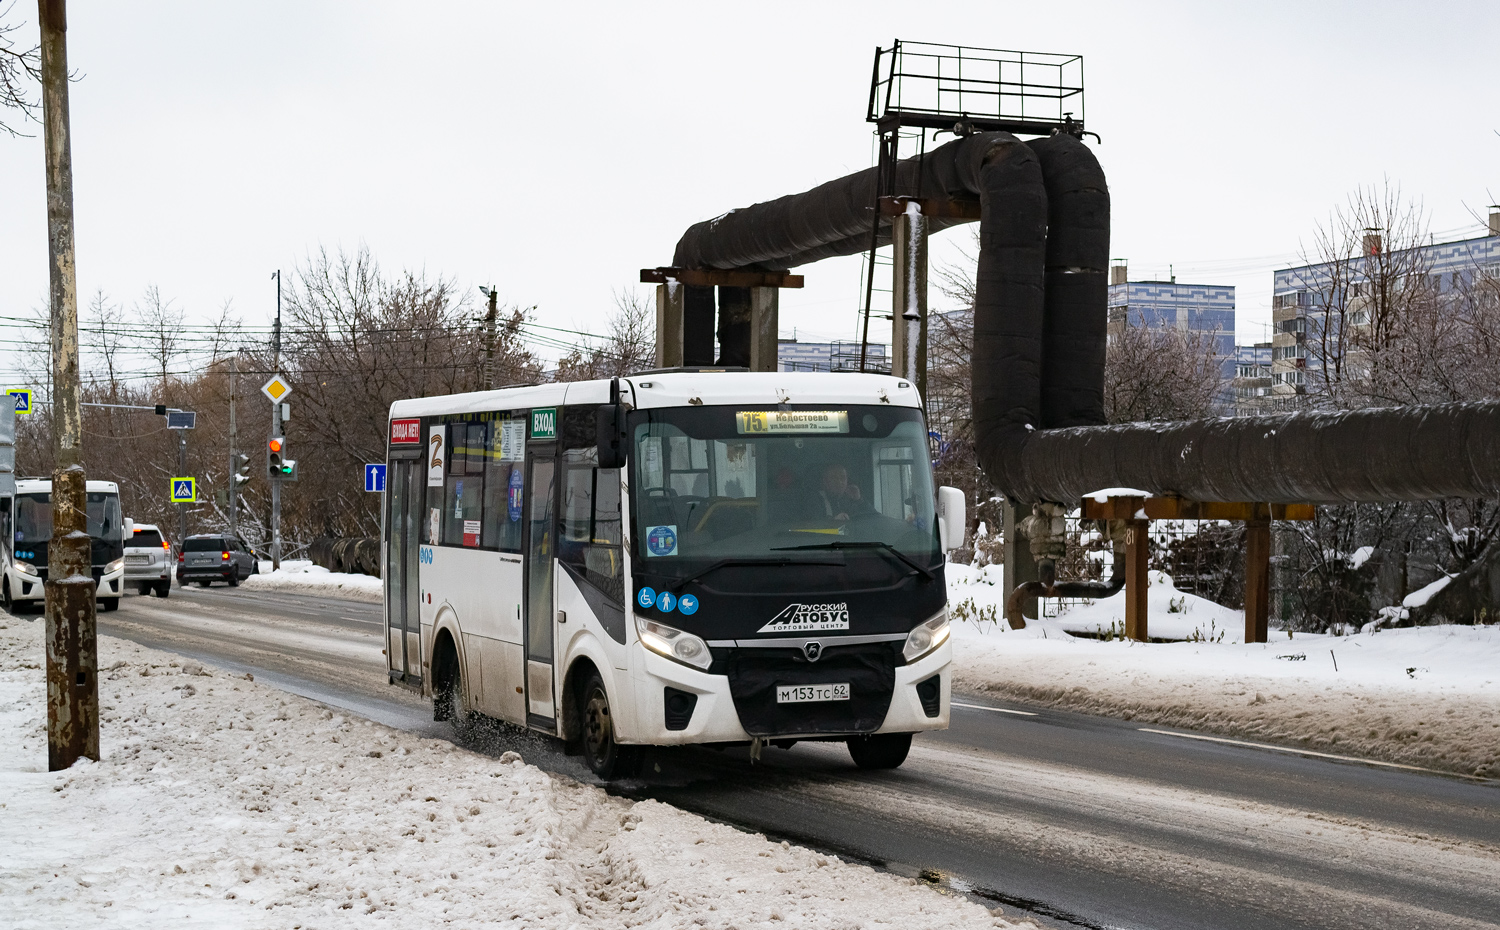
(184, 490)
(21, 397)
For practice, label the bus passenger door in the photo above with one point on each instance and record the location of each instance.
(541, 551)
(404, 500)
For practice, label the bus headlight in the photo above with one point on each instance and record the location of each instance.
(25, 568)
(114, 566)
(926, 637)
(673, 643)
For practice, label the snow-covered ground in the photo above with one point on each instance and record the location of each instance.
(303, 577)
(1427, 696)
(221, 802)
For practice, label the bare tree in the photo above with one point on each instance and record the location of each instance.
(1159, 373)
(629, 346)
(160, 322)
(20, 74)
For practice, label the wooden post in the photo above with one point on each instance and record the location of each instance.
(669, 301)
(764, 310)
(1137, 552)
(1258, 576)
(734, 327)
(909, 297)
(72, 631)
(698, 326)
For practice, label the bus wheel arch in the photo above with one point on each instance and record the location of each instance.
(447, 676)
(570, 721)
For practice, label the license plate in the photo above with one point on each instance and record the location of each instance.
(802, 694)
(138, 559)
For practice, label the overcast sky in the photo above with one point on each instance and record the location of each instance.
(557, 148)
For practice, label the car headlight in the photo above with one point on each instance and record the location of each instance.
(673, 643)
(114, 566)
(25, 568)
(926, 637)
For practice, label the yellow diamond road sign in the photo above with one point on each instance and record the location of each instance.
(276, 389)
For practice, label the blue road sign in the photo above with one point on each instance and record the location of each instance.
(22, 399)
(184, 490)
(375, 478)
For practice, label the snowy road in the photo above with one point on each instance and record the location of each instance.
(1081, 821)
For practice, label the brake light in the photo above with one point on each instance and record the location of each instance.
(224, 556)
(164, 545)
(182, 556)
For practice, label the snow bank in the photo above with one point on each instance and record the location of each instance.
(979, 594)
(303, 577)
(224, 803)
(1428, 696)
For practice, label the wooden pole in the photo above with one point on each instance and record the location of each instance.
(1137, 552)
(670, 298)
(1258, 577)
(72, 632)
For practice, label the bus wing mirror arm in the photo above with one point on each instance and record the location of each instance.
(611, 435)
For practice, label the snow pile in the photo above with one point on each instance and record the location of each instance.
(303, 577)
(978, 594)
(224, 803)
(1428, 696)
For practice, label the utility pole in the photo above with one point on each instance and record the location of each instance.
(488, 383)
(275, 432)
(234, 467)
(72, 633)
(181, 470)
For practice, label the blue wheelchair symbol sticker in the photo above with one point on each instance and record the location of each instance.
(646, 597)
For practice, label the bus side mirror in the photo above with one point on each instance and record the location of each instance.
(129, 528)
(952, 518)
(610, 436)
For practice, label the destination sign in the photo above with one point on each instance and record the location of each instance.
(756, 422)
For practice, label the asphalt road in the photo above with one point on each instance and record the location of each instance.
(1073, 820)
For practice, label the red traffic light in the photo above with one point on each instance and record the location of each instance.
(274, 445)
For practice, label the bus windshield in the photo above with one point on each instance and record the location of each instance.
(741, 482)
(34, 516)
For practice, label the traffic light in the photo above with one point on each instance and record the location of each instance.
(275, 457)
(241, 468)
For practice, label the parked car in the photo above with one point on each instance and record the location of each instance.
(148, 560)
(210, 557)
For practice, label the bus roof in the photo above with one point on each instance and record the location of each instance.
(44, 486)
(680, 389)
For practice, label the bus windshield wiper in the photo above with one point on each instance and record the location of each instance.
(873, 544)
(725, 563)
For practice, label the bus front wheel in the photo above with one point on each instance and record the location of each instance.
(607, 758)
(881, 751)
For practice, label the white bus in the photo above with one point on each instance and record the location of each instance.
(26, 532)
(674, 557)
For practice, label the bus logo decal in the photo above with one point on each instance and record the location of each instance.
(806, 618)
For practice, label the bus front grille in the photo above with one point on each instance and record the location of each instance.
(755, 674)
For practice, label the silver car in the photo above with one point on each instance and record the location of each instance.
(211, 557)
(148, 560)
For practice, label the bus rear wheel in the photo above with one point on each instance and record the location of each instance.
(881, 751)
(606, 758)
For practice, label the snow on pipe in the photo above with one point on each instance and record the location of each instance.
(1038, 357)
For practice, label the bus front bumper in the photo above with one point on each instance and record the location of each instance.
(714, 718)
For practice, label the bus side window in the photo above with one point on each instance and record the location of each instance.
(503, 484)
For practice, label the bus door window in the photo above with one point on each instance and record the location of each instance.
(540, 551)
(591, 522)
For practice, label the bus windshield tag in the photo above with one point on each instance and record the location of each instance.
(756, 422)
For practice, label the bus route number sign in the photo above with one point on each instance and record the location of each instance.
(544, 423)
